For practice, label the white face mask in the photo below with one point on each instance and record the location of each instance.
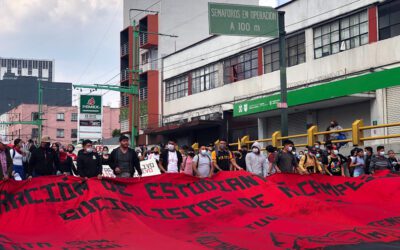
(256, 150)
(317, 146)
(365, 153)
(89, 150)
(290, 149)
(382, 153)
(171, 147)
(203, 152)
(318, 155)
(335, 152)
(306, 152)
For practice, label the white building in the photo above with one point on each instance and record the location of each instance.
(186, 19)
(343, 64)
(13, 67)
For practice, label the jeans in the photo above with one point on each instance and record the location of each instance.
(358, 171)
(20, 171)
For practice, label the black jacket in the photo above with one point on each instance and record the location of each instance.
(66, 166)
(164, 160)
(89, 165)
(43, 161)
(134, 162)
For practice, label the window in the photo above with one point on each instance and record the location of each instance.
(241, 67)
(74, 117)
(143, 94)
(145, 58)
(35, 66)
(295, 53)
(176, 88)
(60, 116)
(204, 79)
(74, 133)
(4, 63)
(342, 34)
(35, 132)
(35, 116)
(25, 64)
(389, 20)
(143, 122)
(60, 133)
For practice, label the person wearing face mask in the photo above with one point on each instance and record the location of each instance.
(171, 159)
(285, 160)
(358, 164)
(309, 163)
(124, 160)
(379, 161)
(17, 156)
(256, 161)
(394, 162)
(223, 159)
(44, 160)
(202, 164)
(6, 163)
(336, 162)
(89, 162)
(155, 154)
(66, 163)
(241, 159)
(187, 162)
(105, 156)
(368, 152)
(70, 152)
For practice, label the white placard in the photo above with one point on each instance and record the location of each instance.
(149, 168)
(108, 172)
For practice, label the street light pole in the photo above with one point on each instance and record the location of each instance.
(283, 79)
(40, 103)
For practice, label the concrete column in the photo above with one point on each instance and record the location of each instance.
(262, 130)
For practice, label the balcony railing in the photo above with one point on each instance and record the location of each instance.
(152, 65)
(143, 94)
(124, 101)
(143, 38)
(124, 75)
(124, 49)
(124, 126)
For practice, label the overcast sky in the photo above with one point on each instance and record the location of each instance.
(82, 36)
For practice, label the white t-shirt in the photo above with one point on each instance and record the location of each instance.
(17, 159)
(172, 162)
(204, 165)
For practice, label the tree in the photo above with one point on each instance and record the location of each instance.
(116, 133)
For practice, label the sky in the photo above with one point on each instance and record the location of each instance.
(82, 36)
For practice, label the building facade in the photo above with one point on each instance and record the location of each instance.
(60, 123)
(13, 67)
(343, 64)
(187, 22)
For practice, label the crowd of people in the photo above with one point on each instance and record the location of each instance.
(26, 160)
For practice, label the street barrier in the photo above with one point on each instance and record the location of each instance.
(355, 135)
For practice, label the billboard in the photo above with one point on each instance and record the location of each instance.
(90, 117)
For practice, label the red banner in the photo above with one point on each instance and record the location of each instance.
(233, 210)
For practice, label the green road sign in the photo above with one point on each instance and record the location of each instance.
(243, 20)
(90, 104)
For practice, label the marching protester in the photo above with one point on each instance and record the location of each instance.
(171, 159)
(368, 153)
(187, 162)
(271, 155)
(124, 160)
(309, 162)
(105, 156)
(17, 156)
(66, 163)
(285, 160)
(154, 154)
(70, 152)
(6, 163)
(358, 164)
(202, 164)
(223, 159)
(336, 163)
(241, 157)
(89, 162)
(44, 160)
(394, 163)
(256, 162)
(379, 161)
(210, 149)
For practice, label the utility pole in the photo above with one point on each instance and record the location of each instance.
(135, 79)
(282, 67)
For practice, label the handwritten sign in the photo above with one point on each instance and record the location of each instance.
(149, 168)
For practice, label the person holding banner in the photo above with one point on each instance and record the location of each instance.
(66, 163)
(44, 160)
(171, 159)
(6, 162)
(124, 160)
(89, 162)
(223, 159)
(202, 164)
